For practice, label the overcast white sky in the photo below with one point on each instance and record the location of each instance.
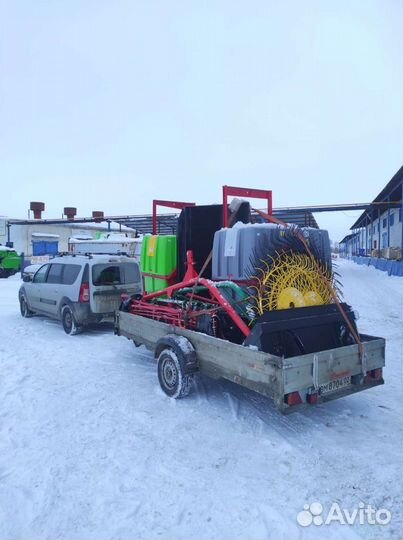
(106, 105)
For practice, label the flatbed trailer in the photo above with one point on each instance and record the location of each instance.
(293, 383)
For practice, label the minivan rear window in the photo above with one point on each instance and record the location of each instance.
(70, 273)
(115, 274)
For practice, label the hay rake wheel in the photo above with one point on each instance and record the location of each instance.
(290, 280)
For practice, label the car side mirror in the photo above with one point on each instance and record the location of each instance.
(27, 278)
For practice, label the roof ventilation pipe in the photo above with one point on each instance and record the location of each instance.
(37, 208)
(70, 212)
(98, 216)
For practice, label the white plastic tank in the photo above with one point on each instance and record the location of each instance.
(234, 250)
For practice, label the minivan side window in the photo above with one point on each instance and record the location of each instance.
(70, 273)
(55, 273)
(40, 276)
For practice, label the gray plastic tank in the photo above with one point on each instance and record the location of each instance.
(234, 249)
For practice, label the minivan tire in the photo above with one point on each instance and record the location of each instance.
(24, 309)
(69, 323)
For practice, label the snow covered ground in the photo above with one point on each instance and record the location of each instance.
(90, 447)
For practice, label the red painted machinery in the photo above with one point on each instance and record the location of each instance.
(234, 312)
(221, 309)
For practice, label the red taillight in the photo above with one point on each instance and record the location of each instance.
(373, 375)
(376, 373)
(312, 398)
(84, 293)
(293, 398)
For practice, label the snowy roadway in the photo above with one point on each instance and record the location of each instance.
(90, 447)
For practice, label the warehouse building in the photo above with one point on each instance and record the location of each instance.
(36, 239)
(377, 235)
(347, 245)
(42, 240)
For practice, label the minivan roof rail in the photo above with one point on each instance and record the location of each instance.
(90, 255)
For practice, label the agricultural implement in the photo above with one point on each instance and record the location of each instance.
(276, 324)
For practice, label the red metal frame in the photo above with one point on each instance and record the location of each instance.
(168, 204)
(232, 191)
(169, 278)
(179, 317)
(166, 314)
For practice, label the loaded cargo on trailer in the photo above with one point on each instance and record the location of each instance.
(254, 303)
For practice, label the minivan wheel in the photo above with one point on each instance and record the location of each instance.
(69, 323)
(24, 309)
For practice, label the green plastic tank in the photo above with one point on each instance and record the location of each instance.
(158, 261)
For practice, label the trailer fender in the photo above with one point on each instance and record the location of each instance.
(184, 351)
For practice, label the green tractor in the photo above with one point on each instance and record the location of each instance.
(10, 262)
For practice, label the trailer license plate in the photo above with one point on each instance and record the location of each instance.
(333, 386)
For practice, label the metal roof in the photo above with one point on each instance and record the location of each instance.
(392, 190)
(348, 237)
(167, 222)
(143, 223)
(325, 208)
(303, 218)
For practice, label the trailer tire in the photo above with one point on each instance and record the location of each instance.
(177, 364)
(173, 382)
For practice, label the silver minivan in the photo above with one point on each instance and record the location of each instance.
(79, 289)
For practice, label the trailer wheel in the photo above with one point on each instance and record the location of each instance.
(171, 375)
